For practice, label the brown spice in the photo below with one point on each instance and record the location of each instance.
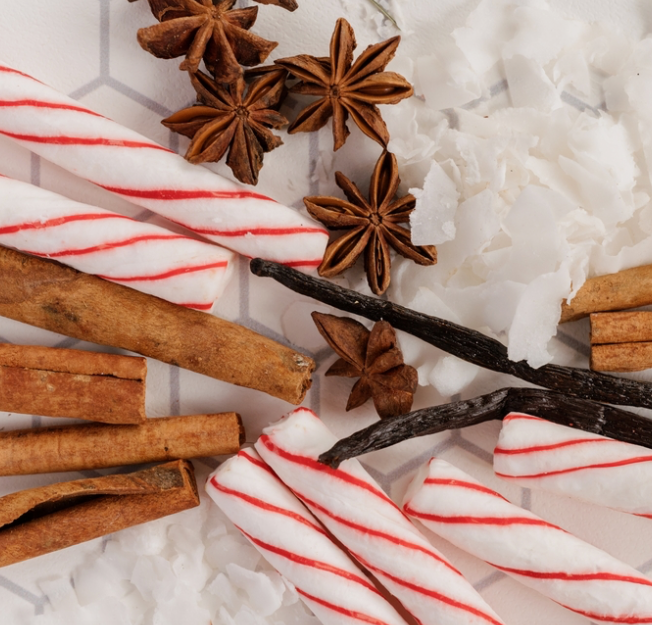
(346, 88)
(211, 29)
(376, 358)
(61, 299)
(53, 382)
(96, 445)
(371, 226)
(629, 288)
(45, 519)
(233, 118)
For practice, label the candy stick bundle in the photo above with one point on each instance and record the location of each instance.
(139, 170)
(296, 544)
(93, 240)
(366, 521)
(538, 554)
(536, 453)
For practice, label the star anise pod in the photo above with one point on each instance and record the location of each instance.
(376, 358)
(206, 28)
(346, 88)
(234, 118)
(371, 226)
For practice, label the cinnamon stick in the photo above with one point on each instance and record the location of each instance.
(97, 445)
(625, 289)
(621, 357)
(621, 327)
(54, 382)
(49, 518)
(48, 295)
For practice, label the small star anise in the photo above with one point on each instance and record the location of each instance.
(346, 88)
(376, 358)
(228, 118)
(205, 28)
(372, 226)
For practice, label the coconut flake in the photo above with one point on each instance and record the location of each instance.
(432, 221)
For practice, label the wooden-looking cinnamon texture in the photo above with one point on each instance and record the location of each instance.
(71, 383)
(48, 295)
(97, 445)
(42, 520)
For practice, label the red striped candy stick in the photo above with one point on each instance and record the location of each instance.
(538, 554)
(366, 521)
(122, 161)
(559, 459)
(296, 544)
(112, 246)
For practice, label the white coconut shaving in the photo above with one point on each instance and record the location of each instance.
(540, 180)
(193, 567)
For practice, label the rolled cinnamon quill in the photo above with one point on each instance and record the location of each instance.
(53, 382)
(42, 520)
(625, 289)
(96, 445)
(46, 294)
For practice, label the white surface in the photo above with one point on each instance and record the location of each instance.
(88, 50)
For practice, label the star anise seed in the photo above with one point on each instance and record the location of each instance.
(346, 88)
(233, 118)
(371, 226)
(376, 358)
(205, 28)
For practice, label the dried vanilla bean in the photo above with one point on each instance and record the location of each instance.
(582, 414)
(467, 344)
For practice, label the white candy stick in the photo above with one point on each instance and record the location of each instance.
(296, 544)
(566, 461)
(120, 160)
(139, 255)
(543, 556)
(373, 529)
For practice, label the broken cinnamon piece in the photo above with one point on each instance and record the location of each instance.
(97, 445)
(622, 357)
(621, 327)
(625, 289)
(45, 519)
(72, 383)
(46, 294)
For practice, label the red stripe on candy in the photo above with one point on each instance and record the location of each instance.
(366, 531)
(314, 465)
(431, 593)
(48, 105)
(168, 274)
(263, 505)
(115, 244)
(550, 447)
(187, 194)
(576, 577)
(315, 564)
(58, 221)
(601, 465)
(64, 140)
(360, 616)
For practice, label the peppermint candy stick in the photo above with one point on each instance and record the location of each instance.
(122, 161)
(112, 246)
(295, 543)
(562, 460)
(367, 522)
(538, 554)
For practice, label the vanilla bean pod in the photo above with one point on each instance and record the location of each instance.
(557, 407)
(467, 344)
